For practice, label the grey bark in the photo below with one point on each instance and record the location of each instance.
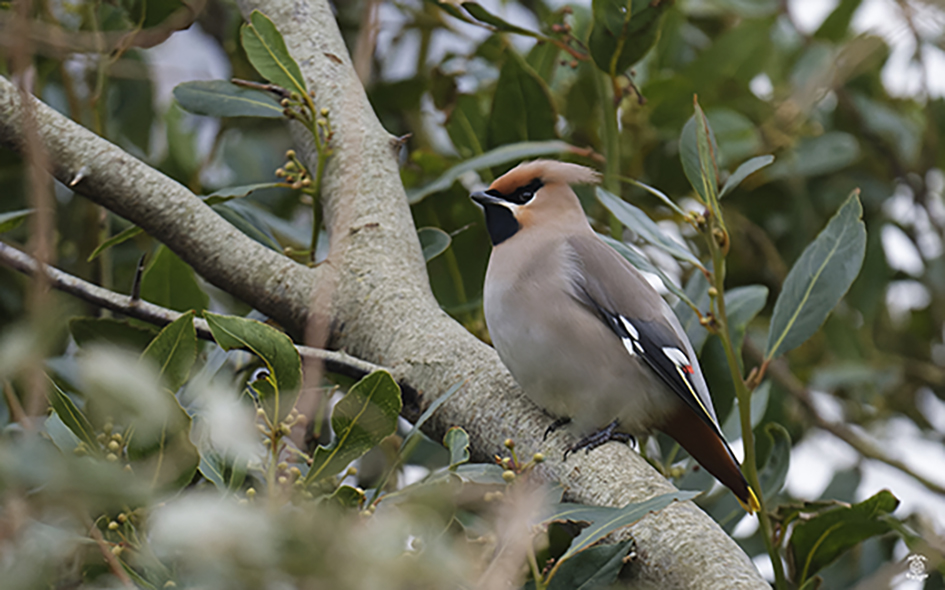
(374, 295)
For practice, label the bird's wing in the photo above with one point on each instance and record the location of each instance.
(641, 319)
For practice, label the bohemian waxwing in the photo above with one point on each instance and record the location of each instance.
(583, 333)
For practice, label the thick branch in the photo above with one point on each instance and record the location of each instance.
(105, 174)
(374, 293)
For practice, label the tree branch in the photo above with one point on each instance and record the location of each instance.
(780, 372)
(333, 361)
(374, 294)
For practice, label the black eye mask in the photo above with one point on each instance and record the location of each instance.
(522, 194)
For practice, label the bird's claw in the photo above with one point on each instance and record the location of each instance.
(596, 439)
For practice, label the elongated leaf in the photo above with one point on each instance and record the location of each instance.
(732, 429)
(817, 542)
(774, 472)
(174, 351)
(365, 416)
(482, 15)
(819, 279)
(522, 106)
(122, 236)
(86, 331)
(248, 220)
(433, 241)
(656, 193)
(219, 98)
(237, 192)
(500, 155)
(642, 263)
(73, 417)
(347, 497)
(640, 223)
(698, 166)
(622, 31)
(168, 281)
(12, 219)
(276, 351)
(266, 50)
(742, 304)
(169, 460)
(595, 567)
(606, 520)
(439, 401)
(744, 171)
(816, 156)
(457, 442)
(697, 292)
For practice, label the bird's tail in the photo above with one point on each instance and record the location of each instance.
(706, 445)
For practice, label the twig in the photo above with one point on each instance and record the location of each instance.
(110, 557)
(780, 372)
(333, 361)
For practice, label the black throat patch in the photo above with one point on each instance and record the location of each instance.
(500, 221)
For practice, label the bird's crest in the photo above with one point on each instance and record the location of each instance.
(548, 172)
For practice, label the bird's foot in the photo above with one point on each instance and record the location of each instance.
(558, 423)
(596, 439)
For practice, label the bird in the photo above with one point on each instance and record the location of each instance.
(583, 333)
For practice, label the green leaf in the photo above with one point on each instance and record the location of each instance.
(744, 171)
(642, 263)
(737, 135)
(482, 15)
(774, 472)
(708, 171)
(622, 31)
(169, 282)
(835, 26)
(742, 304)
(87, 331)
(593, 568)
(174, 351)
(500, 155)
(467, 126)
(697, 292)
(237, 192)
(522, 106)
(439, 401)
(73, 417)
(219, 98)
(433, 241)
(122, 236)
(656, 193)
(364, 417)
(818, 541)
(169, 460)
(12, 219)
(605, 520)
(698, 166)
(819, 279)
(348, 497)
(276, 351)
(816, 156)
(457, 441)
(732, 429)
(641, 224)
(247, 220)
(266, 50)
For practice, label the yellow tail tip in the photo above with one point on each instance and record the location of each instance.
(753, 504)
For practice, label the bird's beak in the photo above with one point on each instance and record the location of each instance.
(484, 198)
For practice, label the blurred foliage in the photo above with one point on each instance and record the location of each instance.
(105, 485)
